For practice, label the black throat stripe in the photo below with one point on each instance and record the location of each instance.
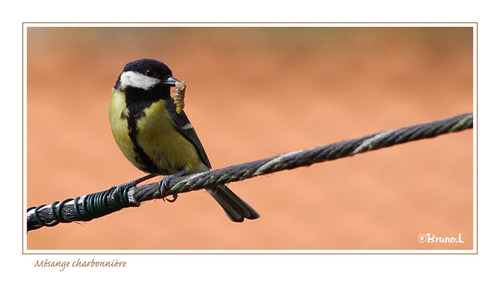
(136, 101)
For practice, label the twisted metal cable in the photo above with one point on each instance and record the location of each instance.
(99, 204)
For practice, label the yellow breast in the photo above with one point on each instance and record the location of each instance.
(156, 136)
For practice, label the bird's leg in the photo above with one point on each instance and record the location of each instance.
(119, 189)
(166, 180)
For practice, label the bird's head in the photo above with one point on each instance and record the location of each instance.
(145, 74)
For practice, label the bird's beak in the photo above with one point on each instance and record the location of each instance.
(170, 81)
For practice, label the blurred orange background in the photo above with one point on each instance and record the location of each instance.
(253, 93)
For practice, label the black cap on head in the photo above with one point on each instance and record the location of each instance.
(149, 67)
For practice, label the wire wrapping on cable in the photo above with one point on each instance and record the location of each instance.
(83, 208)
(99, 204)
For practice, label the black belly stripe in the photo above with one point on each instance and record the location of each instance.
(136, 101)
(147, 165)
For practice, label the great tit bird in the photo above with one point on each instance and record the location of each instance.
(155, 138)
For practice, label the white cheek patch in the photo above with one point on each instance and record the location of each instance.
(137, 80)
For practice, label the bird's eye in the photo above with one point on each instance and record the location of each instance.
(150, 73)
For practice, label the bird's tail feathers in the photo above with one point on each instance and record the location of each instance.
(236, 209)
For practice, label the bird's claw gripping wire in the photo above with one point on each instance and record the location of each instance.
(120, 188)
(173, 199)
(163, 186)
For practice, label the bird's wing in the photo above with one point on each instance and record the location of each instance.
(185, 127)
